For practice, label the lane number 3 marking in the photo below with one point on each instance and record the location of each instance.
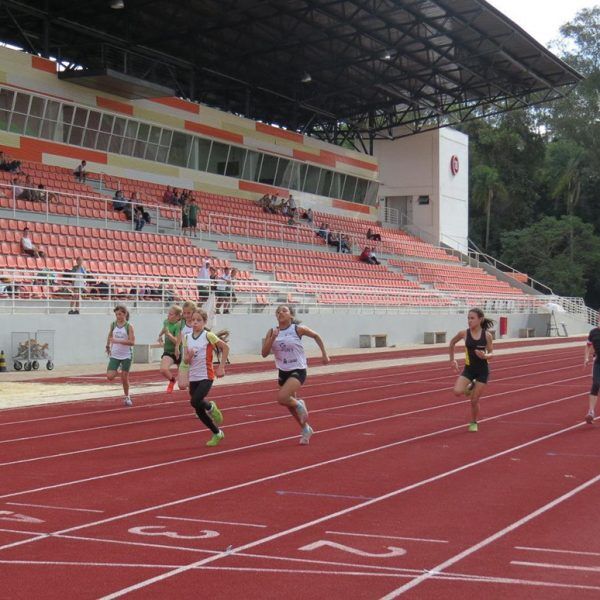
(393, 550)
(159, 530)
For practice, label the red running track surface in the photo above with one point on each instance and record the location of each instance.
(393, 498)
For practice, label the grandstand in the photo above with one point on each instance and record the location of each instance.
(411, 191)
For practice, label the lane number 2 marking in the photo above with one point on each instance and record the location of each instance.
(159, 530)
(393, 550)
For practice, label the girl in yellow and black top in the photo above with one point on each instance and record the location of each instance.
(198, 347)
(478, 351)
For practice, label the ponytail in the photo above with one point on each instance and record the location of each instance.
(486, 323)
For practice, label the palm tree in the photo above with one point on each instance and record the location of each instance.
(486, 185)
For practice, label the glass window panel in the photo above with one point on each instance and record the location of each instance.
(106, 123)
(325, 183)
(165, 139)
(218, 158)
(94, 120)
(295, 182)
(4, 117)
(203, 149)
(115, 144)
(349, 187)
(283, 173)
(143, 132)
(372, 190)
(235, 162)
(68, 112)
(80, 117)
(252, 165)
(131, 129)
(139, 150)
(268, 169)
(119, 126)
(102, 141)
(22, 103)
(311, 182)
(361, 190)
(17, 123)
(162, 154)
(127, 146)
(151, 151)
(52, 111)
(89, 138)
(37, 107)
(76, 135)
(33, 126)
(6, 99)
(180, 148)
(154, 135)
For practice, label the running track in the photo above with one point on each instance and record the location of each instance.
(393, 498)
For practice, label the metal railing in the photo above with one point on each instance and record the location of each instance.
(83, 206)
(31, 291)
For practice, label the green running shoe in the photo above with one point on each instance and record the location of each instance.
(215, 440)
(473, 427)
(215, 414)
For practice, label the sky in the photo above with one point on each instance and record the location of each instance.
(542, 18)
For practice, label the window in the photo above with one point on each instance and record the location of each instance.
(361, 190)
(268, 169)
(423, 200)
(312, 179)
(50, 120)
(325, 183)
(6, 102)
(36, 112)
(235, 162)
(283, 173)
(337, 184)
(218, 158)
(349, 187)
(180, 148)
(252, 165)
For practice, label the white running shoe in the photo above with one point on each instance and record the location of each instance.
(307, 432)
(589, 418)
(301, 411)
(128, 401)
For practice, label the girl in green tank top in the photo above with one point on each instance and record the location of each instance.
(169, 336)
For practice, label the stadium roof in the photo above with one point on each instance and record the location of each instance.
(338, 69)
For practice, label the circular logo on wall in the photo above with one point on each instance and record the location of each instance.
(454, 164)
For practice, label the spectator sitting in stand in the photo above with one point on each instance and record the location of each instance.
(27, 191)
(291, 203)
(368, 257)
(345, 244)
(27, 246)
(175, 200)
(80, 172)
(376, 237)
(308, 215)
(323, 231)
(168, 195)
(6, 164)
(138, 217)
(17, 187)
(43, 195)
(119, 202)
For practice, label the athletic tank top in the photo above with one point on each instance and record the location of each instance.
(471, 344)
(201, 365)
(173, 329)
(117, 350)
(288, 350)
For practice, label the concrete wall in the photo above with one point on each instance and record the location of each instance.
(80, 339)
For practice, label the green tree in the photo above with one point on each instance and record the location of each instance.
(563, 253)
(486, 186)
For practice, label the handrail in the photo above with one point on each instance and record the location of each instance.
(51, 197)
(46, 291)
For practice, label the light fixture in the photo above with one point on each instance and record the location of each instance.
(117, 4)
(386, 55)
(306, 78)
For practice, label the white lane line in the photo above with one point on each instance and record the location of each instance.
(523, 563)
(558, 551)
(323, 519)
(492, 538)
(388, 537)
(428, 369)
(215, 522)
(64, 563)
(23, 532)
(320, 495)
(331, 409)
(269, 442)
(89, 510)
(572, 455)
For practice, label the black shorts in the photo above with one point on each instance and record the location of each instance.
(199, 389)
(175, 360)
(299, 374)
(478, 374)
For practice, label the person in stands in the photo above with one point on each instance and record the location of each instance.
(80, 172)
(376, 237)
(28, 247)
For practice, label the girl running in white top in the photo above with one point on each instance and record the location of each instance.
(285, 341)
(198, 355)
(119, 346)
(188, 309)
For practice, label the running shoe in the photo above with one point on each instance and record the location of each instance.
(469, 388)
(301, 411)
(589, 418)
(307, 432)
(215, 440)
(170, 386)
(215, 414)
(473, 427)
(128, 401)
